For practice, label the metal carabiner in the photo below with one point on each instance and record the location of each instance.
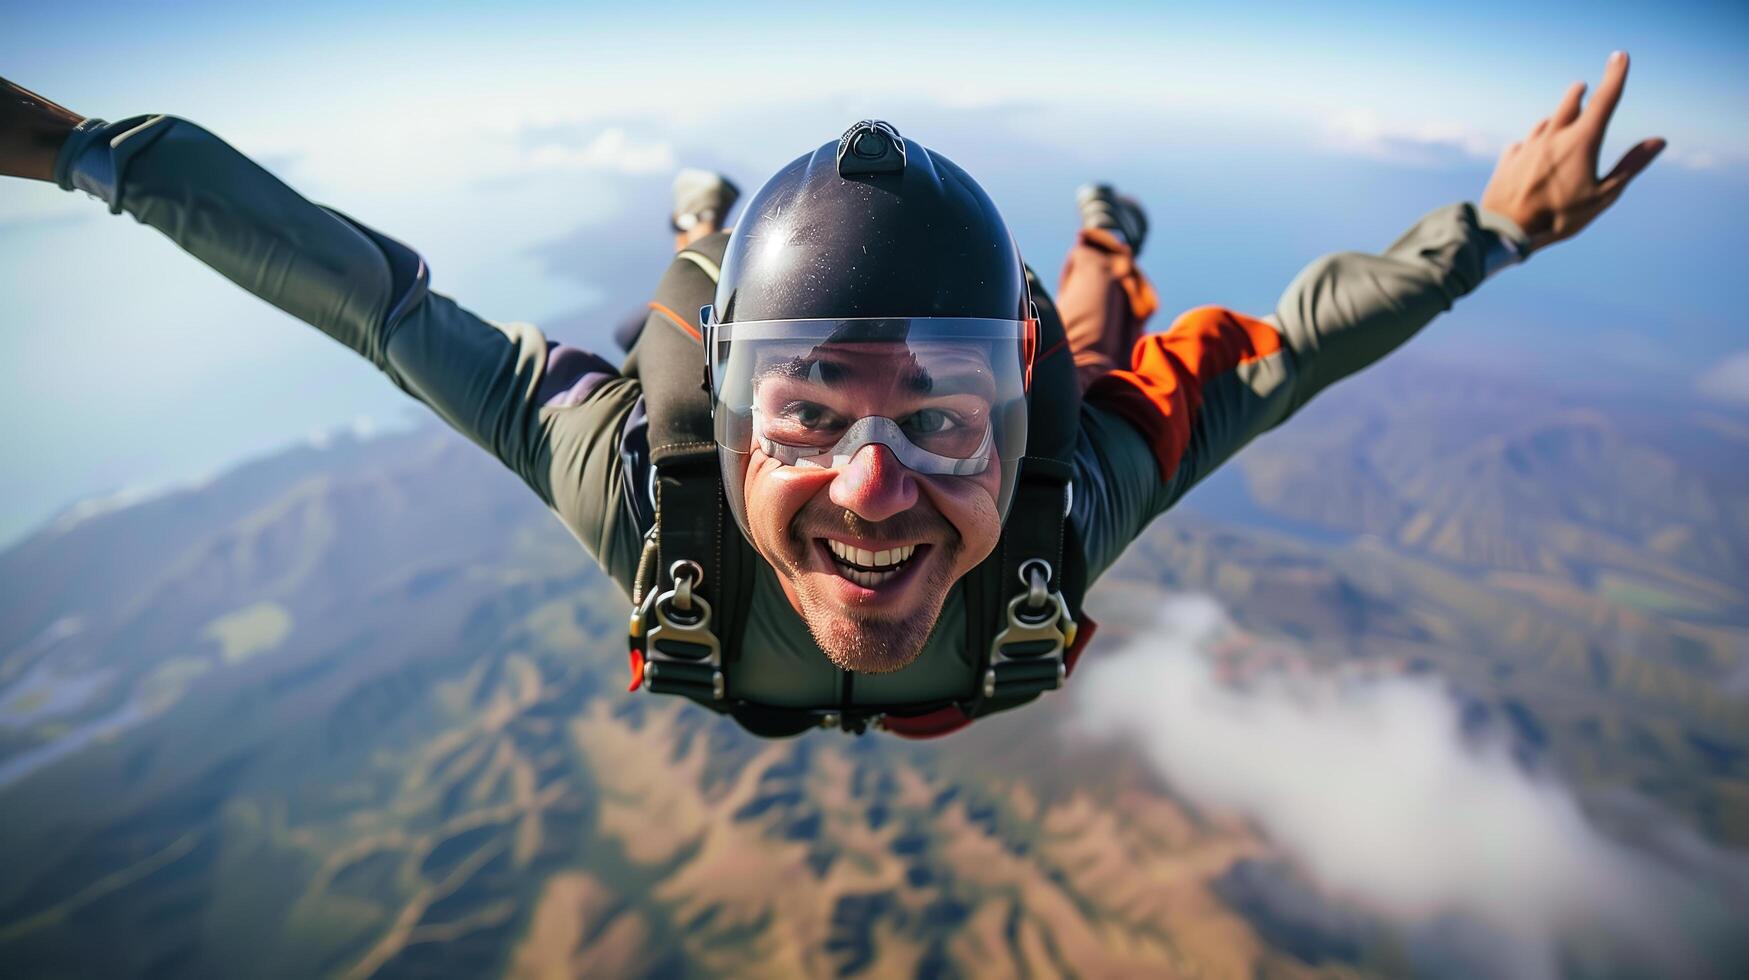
(1038, 631)
(686, 575)
(681, 647)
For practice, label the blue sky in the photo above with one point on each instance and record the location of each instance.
(526, 153)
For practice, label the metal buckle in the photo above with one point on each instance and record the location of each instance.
(850, 725)
(682, 642)
(1039, 630)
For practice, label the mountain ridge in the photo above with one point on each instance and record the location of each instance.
(428, 762)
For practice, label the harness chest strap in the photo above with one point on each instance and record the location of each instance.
(674, 633)
(693, 586)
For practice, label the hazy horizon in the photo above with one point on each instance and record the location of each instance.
(526, 154)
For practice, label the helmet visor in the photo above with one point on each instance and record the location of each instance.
(946, 395)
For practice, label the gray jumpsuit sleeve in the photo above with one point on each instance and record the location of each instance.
(552, 414)
(1216, 380)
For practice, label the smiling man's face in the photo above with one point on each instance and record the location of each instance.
(868, 549)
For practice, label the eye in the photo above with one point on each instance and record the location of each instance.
(809, 415)
(930, 421)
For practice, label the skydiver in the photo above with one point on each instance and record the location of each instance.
(857, 469)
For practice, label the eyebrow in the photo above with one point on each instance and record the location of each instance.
(831, 372)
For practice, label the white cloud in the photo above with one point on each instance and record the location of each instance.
(1698, 159)
(133, 495)
(1429, 143)
(1370, 784)
(362, 428)
(1366, 132)
(1728, 380)
(611, 151)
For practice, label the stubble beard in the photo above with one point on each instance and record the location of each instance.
(871, 643)
(867, 642)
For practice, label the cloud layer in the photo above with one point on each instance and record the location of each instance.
(1371, 785)
(1728, 380)
(613, 150)
(1365, 133)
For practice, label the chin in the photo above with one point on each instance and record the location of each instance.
(865, 647)
(867, 642)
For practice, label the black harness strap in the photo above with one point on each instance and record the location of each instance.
(700, 554)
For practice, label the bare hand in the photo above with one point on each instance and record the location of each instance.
(1548, 182)
(32, 130)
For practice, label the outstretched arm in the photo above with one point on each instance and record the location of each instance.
(550, 413)
(1346, 311)
(1218, 379)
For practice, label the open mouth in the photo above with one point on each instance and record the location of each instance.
(870, 569)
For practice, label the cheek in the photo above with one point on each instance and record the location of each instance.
(774, 493)
(969, 504)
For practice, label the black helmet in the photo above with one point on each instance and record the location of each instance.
(871, 225)
(872, 247)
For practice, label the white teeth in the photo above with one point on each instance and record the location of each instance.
(866, 559)
(867, 580)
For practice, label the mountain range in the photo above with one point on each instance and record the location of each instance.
(358, 709)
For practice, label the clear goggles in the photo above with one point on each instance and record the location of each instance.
(946, 395)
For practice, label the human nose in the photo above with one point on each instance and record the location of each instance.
(874, 485)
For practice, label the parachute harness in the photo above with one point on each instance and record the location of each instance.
(693, 588)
